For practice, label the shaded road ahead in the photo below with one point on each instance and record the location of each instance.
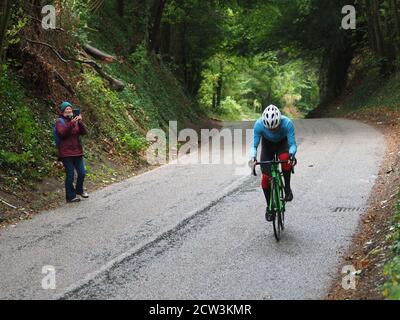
(198, 231)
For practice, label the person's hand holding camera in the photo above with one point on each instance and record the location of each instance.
(77, 118)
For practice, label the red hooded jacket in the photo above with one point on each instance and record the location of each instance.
(69, 132)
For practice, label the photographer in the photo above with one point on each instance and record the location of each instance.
(69, 127)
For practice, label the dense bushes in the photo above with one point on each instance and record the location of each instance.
(25, 130)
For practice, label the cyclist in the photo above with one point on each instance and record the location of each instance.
(277, 135)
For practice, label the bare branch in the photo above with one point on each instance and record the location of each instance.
(114, 84)
(7, 204)
(40, 21)
(51, 47)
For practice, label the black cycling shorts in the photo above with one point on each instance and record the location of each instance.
(268, 151)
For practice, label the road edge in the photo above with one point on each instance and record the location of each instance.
(369, 249)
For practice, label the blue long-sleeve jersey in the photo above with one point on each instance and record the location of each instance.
(286, 129)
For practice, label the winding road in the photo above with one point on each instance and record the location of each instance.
(198, 231)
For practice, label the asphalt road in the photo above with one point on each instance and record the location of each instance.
(198, 231)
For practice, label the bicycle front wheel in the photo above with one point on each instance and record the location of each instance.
(277, 222)
(282, 202)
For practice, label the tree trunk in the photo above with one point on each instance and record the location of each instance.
(219, 86)
(140, 21)
(155, 33)
(214, 100)
(376, 32)
(371, 33)
(377, 35)
(166, 39)
(97, 54)
(333, 76)
(396, 28)
(396, 18)
(184, 57)
(120, 7)
(5, 10)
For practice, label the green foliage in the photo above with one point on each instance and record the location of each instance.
(78, 15)
(391, 289)
(133, 143)
(16, 160)
(111, 115)
(112, 33)
(24, 131)
(373, 91)
(233, 111)
(139, 58)
(257, 81)
(19, 22)
(249, 27)
(151, 99)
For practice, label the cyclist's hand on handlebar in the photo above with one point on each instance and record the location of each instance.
(292, 160)
(252, 162)
(252, 165)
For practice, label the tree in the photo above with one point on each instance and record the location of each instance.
(5, 11)
(155, 26)
(384, 31)
(306, 29)
(120, 7)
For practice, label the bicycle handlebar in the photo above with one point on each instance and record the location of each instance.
(272, 162)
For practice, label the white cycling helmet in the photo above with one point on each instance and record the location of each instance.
(271, 117)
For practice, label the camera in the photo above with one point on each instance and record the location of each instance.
(76, 112)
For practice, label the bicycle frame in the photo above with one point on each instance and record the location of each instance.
(277, 202)
(276, 191)
(276, 178)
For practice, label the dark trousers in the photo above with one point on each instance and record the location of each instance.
(71, 164)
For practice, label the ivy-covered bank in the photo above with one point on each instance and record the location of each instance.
(25, 133)
(392, 269)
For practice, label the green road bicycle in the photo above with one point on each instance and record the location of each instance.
(277, 203)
